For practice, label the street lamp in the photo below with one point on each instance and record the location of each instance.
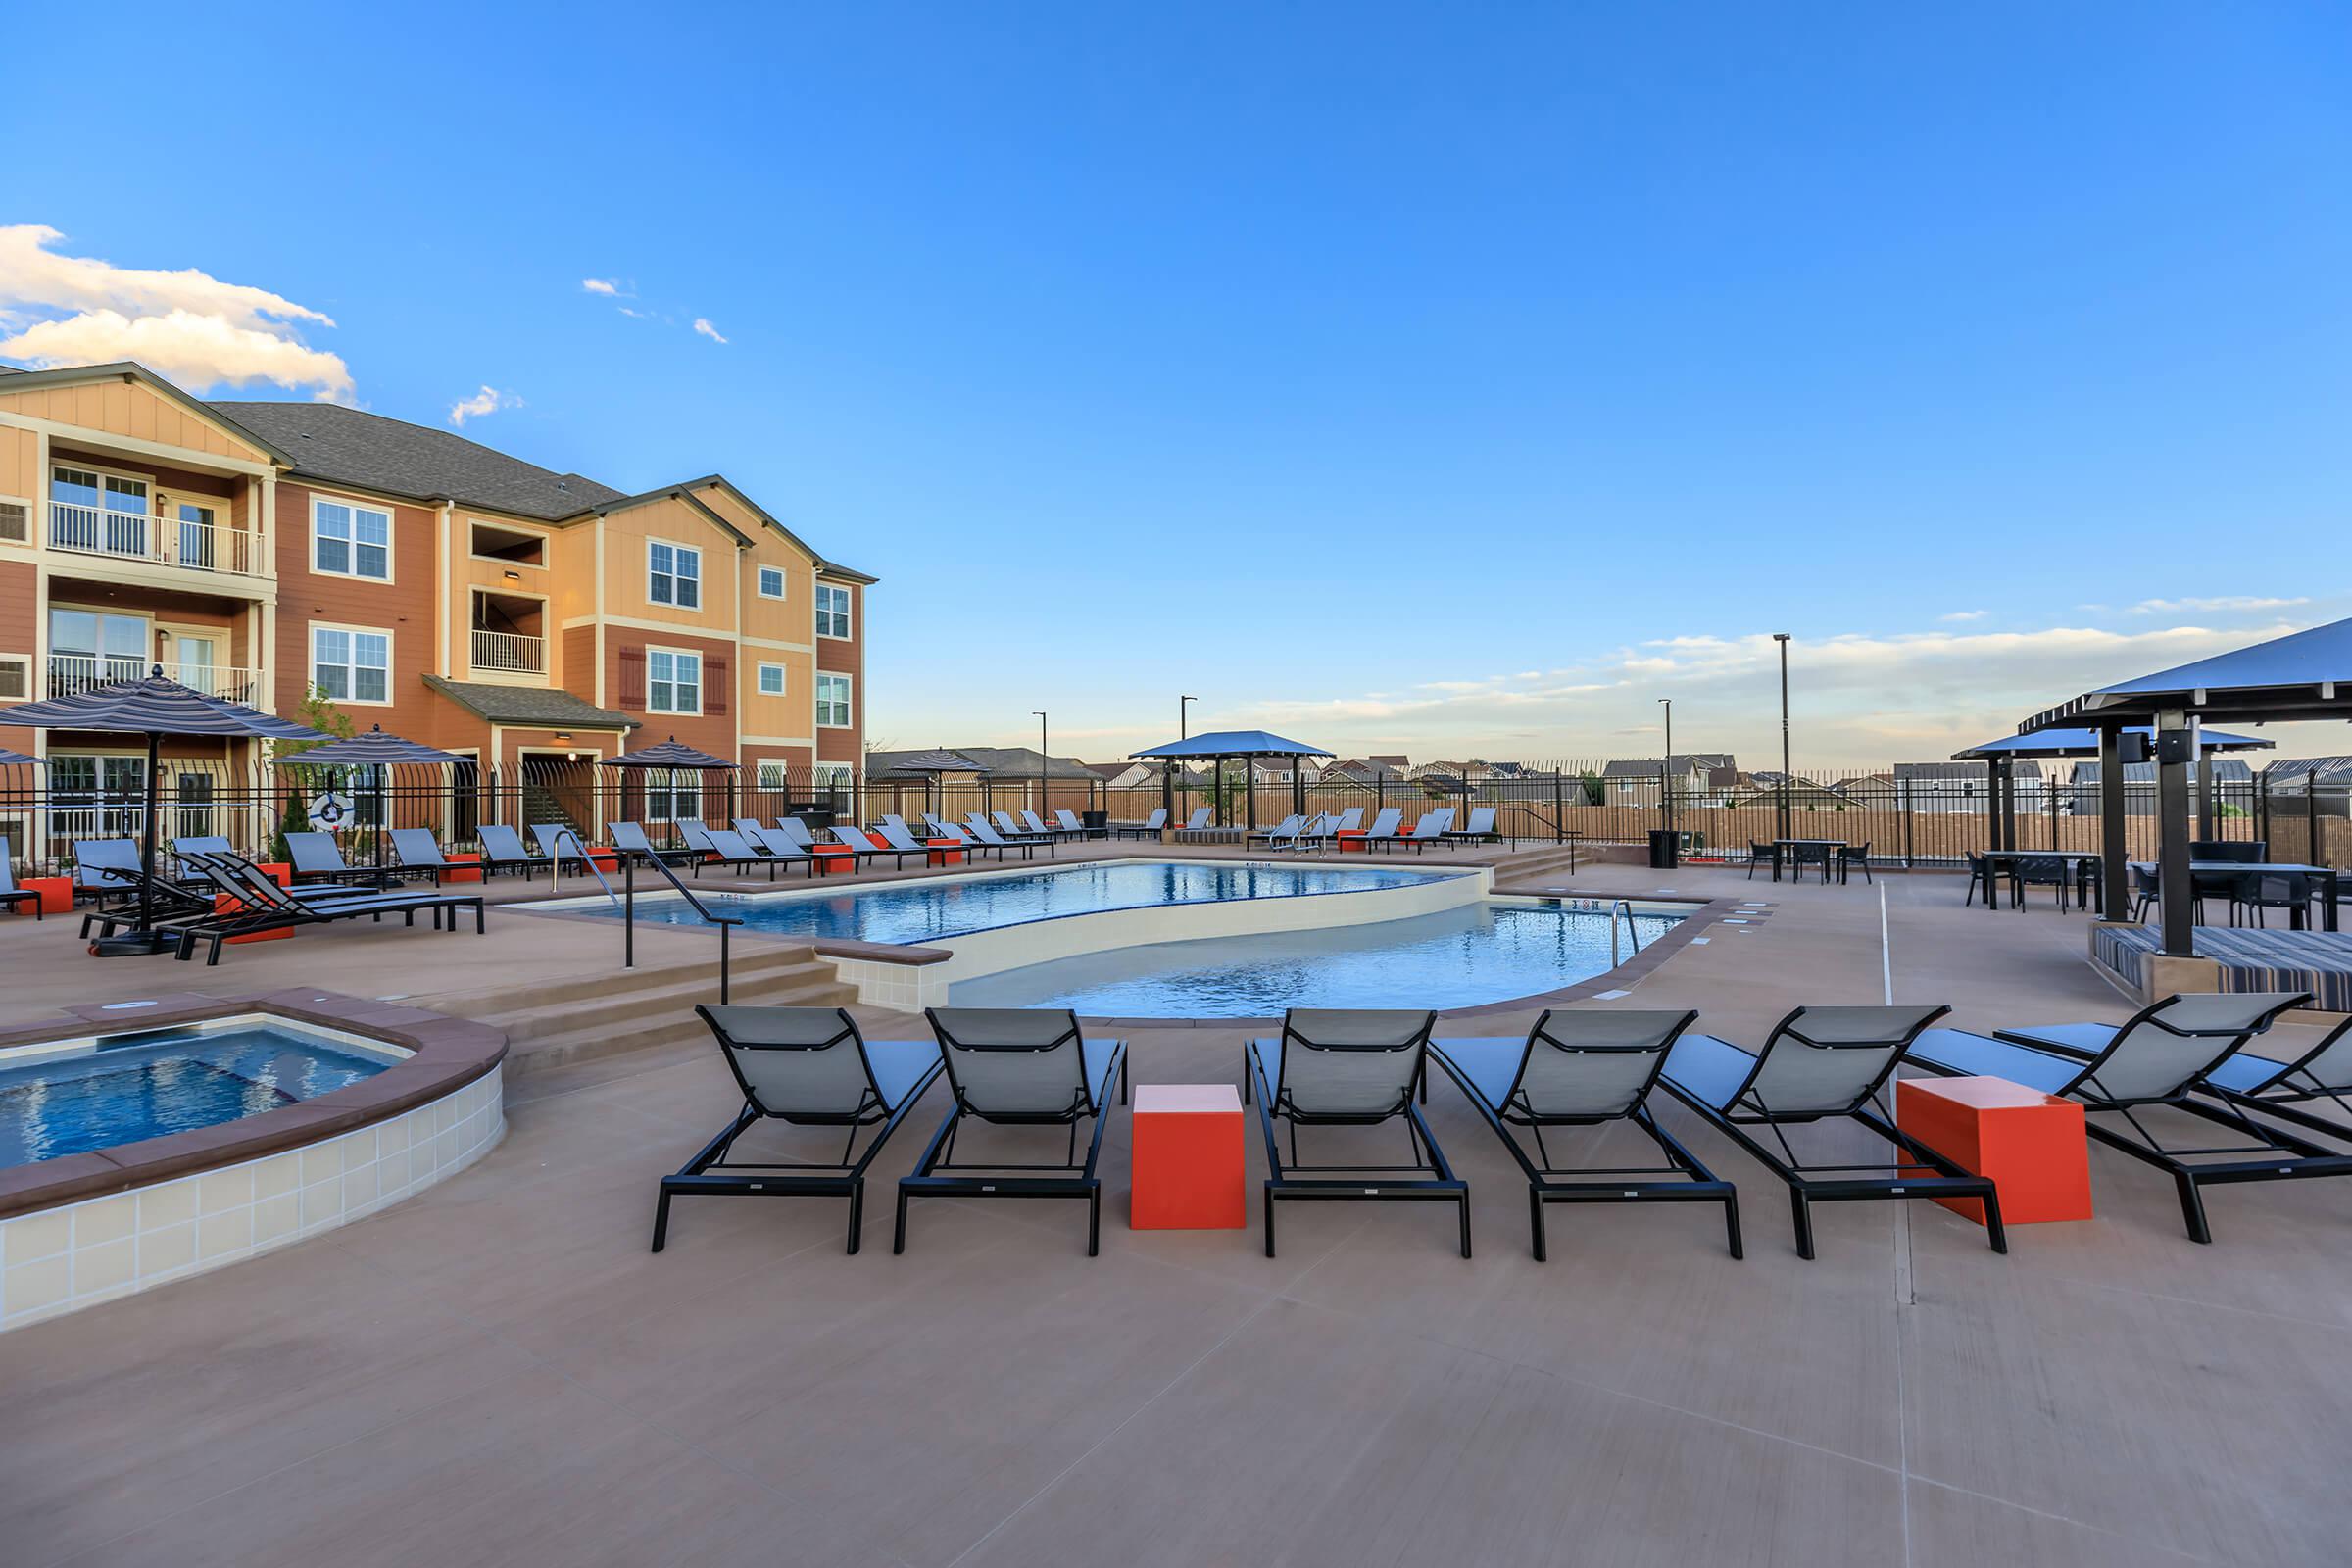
(1782, 638)
(1666, 768)
(1183, 704)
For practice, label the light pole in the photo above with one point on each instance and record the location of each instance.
(1182, 730)
(1782, 638)
(1042, 761)
(1666, 768)
(1183, 705)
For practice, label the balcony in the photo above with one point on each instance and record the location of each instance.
(72, 673)
(159, 541)
(509, 652)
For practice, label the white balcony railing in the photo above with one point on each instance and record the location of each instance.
(70, 673)
(164, 540)
(510, 652)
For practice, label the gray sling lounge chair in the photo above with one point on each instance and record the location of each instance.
(1382, 831)
(1431, 829)
(1584, 1068)
(1031, 823)
(1076, 828)
(267, 906)
(861, 848)
(972, 846)
(894, 833)
(1823, 1064)
(807, 1067)
(2160, 1056)
(629, 838)
(12, 895)
(1149, 828)
(1481, 830)
(1348, 1067)
(985, 831)
(419, 852)
(732, 848)
(317, 857)
(1020, 1067)
(1197, 822)
(1284, 832)
(502, 850)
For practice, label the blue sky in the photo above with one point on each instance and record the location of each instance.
(1436, 379)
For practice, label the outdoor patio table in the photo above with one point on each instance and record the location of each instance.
(2031, 1143)
(2331, 886)
(1188, 1158)
(2083, 863)
(1779, 845)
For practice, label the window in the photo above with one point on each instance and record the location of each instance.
(348, 540)
(832, 610)
(105, 512)
(771, 582)
(673, 682)
(772, 680)
(774, 773)
(833, 701)
(670, 796)
(351, 666)
(493, 543)
(833, 777)
(88, 649)
(673, 575)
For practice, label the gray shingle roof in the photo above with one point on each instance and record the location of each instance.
(349, 446)
(1927, 772)
(1685, 762)
(1011, 762)
(540, 706)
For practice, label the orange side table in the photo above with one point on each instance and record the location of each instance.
(473, 865)
(277, 872)
(56, 895)
(2031, 1143)
(944, 852)
(1188, 1158)
(1352, 839)
(831, 858)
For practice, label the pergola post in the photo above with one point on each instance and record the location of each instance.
(2114, 873)
(2204, 779)
(2173, 744)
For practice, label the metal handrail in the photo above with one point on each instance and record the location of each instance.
(556, 852)
(1629, 928)
(628, 914)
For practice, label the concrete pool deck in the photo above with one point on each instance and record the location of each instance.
(498, 1371)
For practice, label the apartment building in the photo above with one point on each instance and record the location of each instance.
(451, 593)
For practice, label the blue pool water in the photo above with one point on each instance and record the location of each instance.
(134, 1086)
(1487, 951)
(911, 913)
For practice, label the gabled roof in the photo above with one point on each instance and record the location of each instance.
(828, 568)
(336, 445)
(2304, 674)
(2234, 770)
(1679, 762)
(1978, 772)
(1010, 764)
(539, 706)
(128, 371)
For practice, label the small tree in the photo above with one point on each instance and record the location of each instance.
(1595, 792)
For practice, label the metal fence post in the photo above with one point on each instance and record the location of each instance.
(1559, 810)
(1904, 803)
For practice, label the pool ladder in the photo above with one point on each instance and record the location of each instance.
(1630, 930)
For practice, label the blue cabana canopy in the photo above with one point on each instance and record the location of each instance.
(2303, 675)
(2085, 742)
(1233, 743)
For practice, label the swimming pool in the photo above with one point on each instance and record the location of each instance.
(69, 1097)
(1493, 949)
(915, 912)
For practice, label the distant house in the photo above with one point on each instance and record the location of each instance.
(1962, 789)
(2232, 774)
(1009, 764)
(2323, 775)
(1634, 781)
(1365, 770)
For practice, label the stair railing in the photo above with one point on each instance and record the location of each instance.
(1629, 927)
(628, 916)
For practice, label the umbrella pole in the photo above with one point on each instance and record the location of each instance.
(146, 941)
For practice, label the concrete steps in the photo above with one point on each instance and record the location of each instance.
(555, 1024)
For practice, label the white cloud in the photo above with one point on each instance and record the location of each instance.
(188, 326)
(2170, 606)
(1964, 614)
(702, 324)
(601, 285)
(489, 400)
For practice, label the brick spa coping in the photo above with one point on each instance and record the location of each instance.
(448, 1055)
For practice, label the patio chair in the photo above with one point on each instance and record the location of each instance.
(1768, 854)
(1149, 828)
(1851, 855)
(1051, 830)
(1823, 1064)
(2038, 871)
(1074, 827)
(1317, 832)
(12, 895)
(629, 841)
(2291, 891)
(734, 849)
(894, 833)
(2283, 1074)
(972, 846)
(264, 905)
(2249, 852)
(1481, 829)
(1197, 822)
(1353, 818)
(1802, 855)
(108, 871)
(804, 1067)
(317, 857)
(2162, 1056)
(861, 846)
(1348, 1067)
(1431, 829)
(2147, 891)
(1584, 1068)
(556, 840)
(986, 832)
(794, 833)
(419, 854)
(1283, 832)
(502, 850)
(1020, 1067)
(1383, 830)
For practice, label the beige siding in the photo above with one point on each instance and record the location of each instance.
(127, 409)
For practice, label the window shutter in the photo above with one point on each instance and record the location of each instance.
(632, 679)
(15, 522)
(714, 686)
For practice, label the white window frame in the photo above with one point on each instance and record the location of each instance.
(667, 789)
(761, 686)
(848, 625)
(774, 773)
(651, 652)
(783, 583)
(311, 664)
(833, 775)
(849, 699)
(676, 549)
(354, 505)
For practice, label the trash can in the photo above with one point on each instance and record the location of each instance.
(1096, 824)
(1665, 849)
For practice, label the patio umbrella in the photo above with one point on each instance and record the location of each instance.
(670, 756)
(931, 764)
(153, 708)
(9, 759)
(376, 750)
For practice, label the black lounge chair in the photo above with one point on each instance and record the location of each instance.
(108, 870)
(2163, 1056)
(773, 841)
(630, 842)
(558, 841)
(419, 853)
(1197, 822)
(267, 906)
(1020, 1067)
(807, 1067)
(12, 895)
(1149, 828)
(1583, 1070)
(1348, 1067)
(317, 857)
(1823, 1064)
(502, 850)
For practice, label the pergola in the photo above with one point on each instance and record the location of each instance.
(1219, 746)
(2001, 757)
(2303, 676)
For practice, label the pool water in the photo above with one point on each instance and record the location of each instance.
(1493, 951)
(122, 1088)
(916, 913)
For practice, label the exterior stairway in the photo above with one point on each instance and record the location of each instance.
(567, 1021)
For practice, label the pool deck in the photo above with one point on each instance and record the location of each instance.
(497, 1371)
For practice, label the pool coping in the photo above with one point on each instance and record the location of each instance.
(1624, 976)
(447, 1055)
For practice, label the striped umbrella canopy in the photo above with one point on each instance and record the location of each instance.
(9, 759)
(153, 708)
(671, 752)
(937, 762)
(378, 751)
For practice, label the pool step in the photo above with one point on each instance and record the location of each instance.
(633, 1011)
(1529, 870)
